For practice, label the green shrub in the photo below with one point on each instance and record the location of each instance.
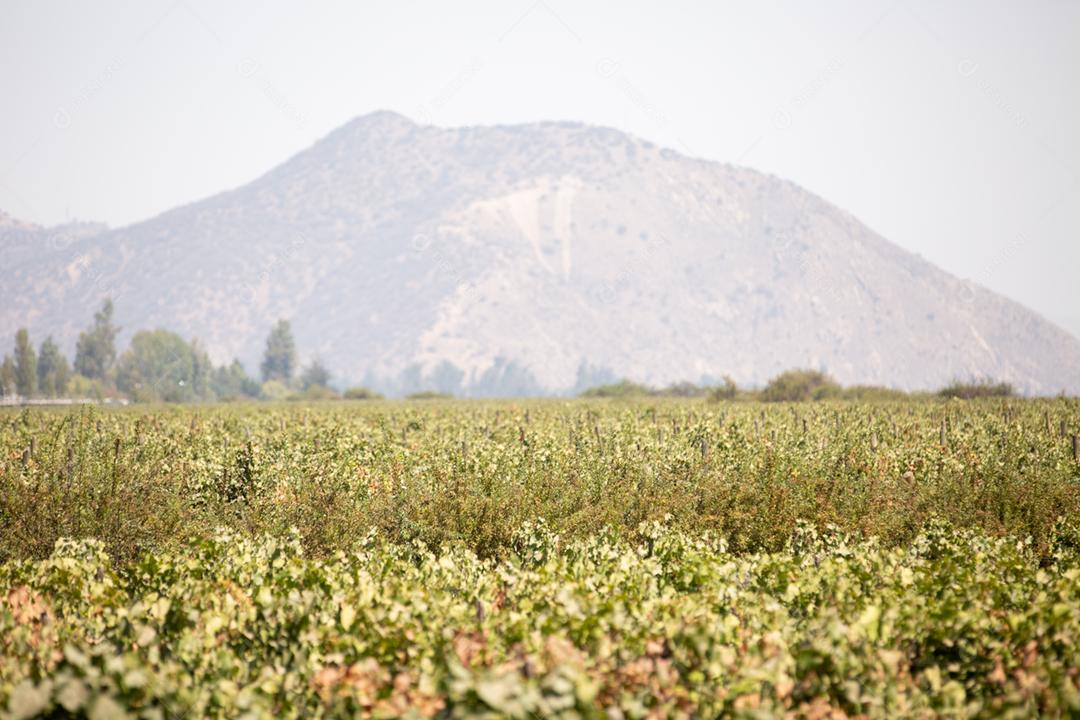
(727, 390)
(977, 389)
(682, 389)
(316, 392)
(621, 389)
(429, 395)
(359, 392)
(872, 393)
(274, 390)
(800, 386)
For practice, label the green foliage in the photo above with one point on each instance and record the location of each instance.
(542, 558)
(683, 390)
(8, 382)
(231, 382)
(161, 367)
(316, 392)
(621, 389)
(977, 389)
(279, 358)
(83, 387)
(872, 393)
(727, 390)
(25, 364)
(361, 393)
(429, 395)
(315, 374)
(95, 351)
(800, 386)
(662, 623)
(273, 390)
(52, 370)
(471, 472)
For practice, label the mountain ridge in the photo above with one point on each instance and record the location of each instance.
(550, 254)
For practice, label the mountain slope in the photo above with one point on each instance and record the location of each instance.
(538, 257)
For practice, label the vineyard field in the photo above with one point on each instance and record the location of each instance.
(544, 558)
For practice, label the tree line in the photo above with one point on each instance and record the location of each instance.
(800, 385)
(160, 366)
(157, 366)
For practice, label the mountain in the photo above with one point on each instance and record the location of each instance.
(528, 258)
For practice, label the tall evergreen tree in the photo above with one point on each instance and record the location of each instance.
(52, 369)
(279, 360)
(25, 364)
(95, 352)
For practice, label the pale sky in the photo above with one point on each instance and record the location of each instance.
(949, 128)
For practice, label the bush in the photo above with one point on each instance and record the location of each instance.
(361, 393)
(316, 392)
(800, 386)
(82, 387)
(872, 393)
(621, 389)
(274, 390)
(977, 389)
(683, 390)
(429, 395)
(726, 391)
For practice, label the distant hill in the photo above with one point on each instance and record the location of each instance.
(531, 258)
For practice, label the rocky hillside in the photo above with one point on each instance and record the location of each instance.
(511, 259)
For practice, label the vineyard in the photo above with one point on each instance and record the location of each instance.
(617, 559)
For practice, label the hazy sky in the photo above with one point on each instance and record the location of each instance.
(952, 131)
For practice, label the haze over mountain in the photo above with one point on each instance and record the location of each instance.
(530, 258)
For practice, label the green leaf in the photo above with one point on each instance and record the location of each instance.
(348, 615)
(105, 708)
(28, 700)
(73, 695)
